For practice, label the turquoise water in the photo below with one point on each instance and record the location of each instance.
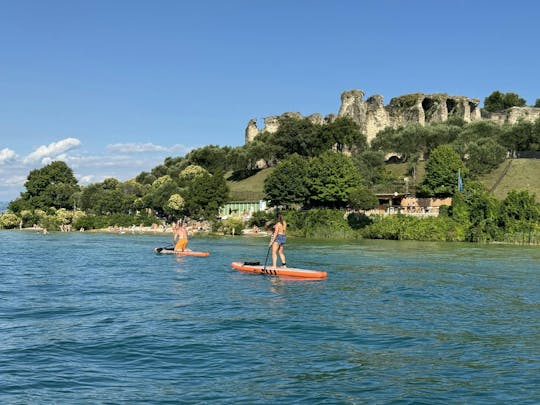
(99, 318)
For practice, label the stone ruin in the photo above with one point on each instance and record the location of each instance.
(373, 116)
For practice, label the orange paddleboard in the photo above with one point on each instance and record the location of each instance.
(280, 271)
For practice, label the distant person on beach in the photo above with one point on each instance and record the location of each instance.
(278, 241)
(180, 238)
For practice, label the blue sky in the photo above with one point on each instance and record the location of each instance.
(114, 87)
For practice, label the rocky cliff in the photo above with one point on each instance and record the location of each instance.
(373, 116)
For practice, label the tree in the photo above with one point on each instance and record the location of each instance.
(360, 198)
(212, 157)
(498, 101)
(537, 103)
(371, 166)
(343, 133)
(299, 136)
(477, 211)
(518, 210)
(51, 186)
(442, 170)
(331, 176)
(108, 197)
(519, 137)
(160, 192)
(205, 195)
(484, 155)
(175, 205)
(190, 173)
(287, 184)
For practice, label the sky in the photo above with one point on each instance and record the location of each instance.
(114, 87)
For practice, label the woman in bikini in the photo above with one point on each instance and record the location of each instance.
(278, 241)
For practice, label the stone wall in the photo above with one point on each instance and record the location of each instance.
(373, 116)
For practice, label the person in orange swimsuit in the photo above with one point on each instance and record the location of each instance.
(180, 238)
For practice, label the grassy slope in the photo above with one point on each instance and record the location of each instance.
(250, 189)
(523, 174)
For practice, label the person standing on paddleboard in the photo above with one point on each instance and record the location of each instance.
(180, 238)
(278, 241)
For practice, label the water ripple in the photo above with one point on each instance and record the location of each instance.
(88, 318)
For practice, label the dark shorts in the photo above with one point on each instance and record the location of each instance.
(280, 240)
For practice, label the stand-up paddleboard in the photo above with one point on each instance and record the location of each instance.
(256, 267)
(165, 250)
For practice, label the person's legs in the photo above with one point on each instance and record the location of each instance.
(282, 256)
(274, 254)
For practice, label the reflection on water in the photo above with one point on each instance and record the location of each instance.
(99, 318)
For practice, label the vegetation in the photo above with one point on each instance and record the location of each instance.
(442, 171)
(498, 101)
(324, 177)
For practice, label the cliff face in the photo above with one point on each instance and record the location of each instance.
(373, 116)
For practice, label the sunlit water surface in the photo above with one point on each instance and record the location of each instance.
(99, 318)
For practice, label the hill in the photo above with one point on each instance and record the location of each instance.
(250, 188)
(515, 174)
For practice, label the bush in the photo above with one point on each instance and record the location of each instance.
(9, 220)
(319, 223)
(358, 220)
(401, 227)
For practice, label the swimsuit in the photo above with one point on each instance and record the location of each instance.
(280, 239)
(181, 244)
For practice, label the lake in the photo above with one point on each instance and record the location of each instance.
(99, 318)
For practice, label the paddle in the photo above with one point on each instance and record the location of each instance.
(265, 260)
(159, 249)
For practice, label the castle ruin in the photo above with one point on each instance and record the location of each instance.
(373, 116)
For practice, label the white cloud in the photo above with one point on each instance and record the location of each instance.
(7, 155)
(14, 180)
(86, 179)
(121, 161)
(145, 148)
(135, 147)
(50, 152)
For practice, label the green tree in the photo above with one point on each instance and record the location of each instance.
(175, 205)
(331, 176)
(145, 178)
(158, 196)
(519, 137)
(518, 210)
(190, 173)
(205, 195)
(442, 170)
(9, 220)
(297, 135)
(477, 211)
(51, 186)
(484, 155)
(287, 184)
(370, 165)
(108, 197)
(343, 134)
(537, 103)
(498, 101)
(360, 198)
(211, 157)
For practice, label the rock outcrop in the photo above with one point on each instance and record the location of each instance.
(373, 116)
